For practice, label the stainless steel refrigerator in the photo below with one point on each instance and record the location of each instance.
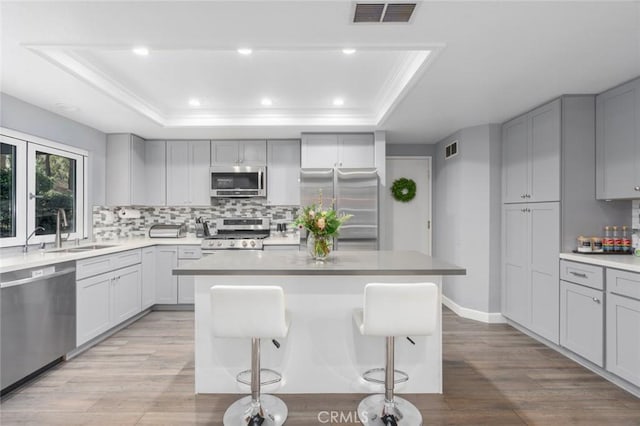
(355, 192)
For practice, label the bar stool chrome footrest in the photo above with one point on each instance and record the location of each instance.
(267, 377)
(271, 408)
(399, 376)
(374, 409)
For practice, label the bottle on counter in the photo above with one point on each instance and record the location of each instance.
(625, 240)
(596, 245)
(584, 244)
(607, 242)
(615, 246)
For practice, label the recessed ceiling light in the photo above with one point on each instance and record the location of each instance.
(349, 51)
(194, 102)
(266, 102)
(338, 102)
(141, 51)
(245, 51)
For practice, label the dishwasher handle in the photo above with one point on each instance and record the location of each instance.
(38, 278)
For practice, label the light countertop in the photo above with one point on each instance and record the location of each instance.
(35, 257)
(617, 261)
(339, 263)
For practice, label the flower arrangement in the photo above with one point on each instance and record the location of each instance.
(322, 225)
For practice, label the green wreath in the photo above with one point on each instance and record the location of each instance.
(403, 189)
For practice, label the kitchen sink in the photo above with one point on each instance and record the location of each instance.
(81, 249)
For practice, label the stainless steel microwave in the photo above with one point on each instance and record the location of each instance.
(238, 181)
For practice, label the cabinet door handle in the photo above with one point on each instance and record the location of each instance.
(528, 195)
(595, 299)
(522, 196)
(578, 274)
(523, 210)
(637, 188)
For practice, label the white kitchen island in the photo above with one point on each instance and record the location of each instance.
(324, 352)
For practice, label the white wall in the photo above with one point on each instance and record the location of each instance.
(466, 216)
(27, 118)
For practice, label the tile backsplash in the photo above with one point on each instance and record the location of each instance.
(108, 225)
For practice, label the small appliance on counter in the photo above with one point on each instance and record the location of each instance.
(168, 231)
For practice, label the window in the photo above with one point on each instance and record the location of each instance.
(12, 190)
(55, 183)
(37, 179)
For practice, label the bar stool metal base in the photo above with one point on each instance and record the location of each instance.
(369, 376)
(373, 409)
(271, 408)
(267, 377)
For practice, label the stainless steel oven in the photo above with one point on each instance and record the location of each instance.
(238, 181)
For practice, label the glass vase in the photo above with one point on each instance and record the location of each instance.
(319, 246)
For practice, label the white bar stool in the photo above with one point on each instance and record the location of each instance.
(251, 312)
(394, 309)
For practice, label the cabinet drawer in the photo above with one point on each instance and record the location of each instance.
(189, 252)
(126, 258)
(581, 273)
(92, 266)
(623, 283)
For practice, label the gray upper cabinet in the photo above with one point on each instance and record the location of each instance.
(515, 160)
(531, 156)
(238, 152)
(283, 172)
(618, 142)
(531, 246)
(155, 173)
(188, 172)
(125, 168)
(348, 150)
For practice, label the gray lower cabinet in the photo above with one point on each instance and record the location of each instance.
(531, 246)
(105, 300)
(623, 325)
(618, 142)
(186, 284)
(148, 277)
(582, 321)
(166, 282)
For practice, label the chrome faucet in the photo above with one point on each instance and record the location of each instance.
(25, 248)
(59, 214)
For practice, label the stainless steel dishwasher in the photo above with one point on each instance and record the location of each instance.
(38, 320)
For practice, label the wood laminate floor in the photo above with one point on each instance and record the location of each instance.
(493, 375)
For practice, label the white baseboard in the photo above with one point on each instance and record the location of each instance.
(488, 317)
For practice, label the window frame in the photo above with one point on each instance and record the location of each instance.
(25, 208)
(20, 191)
(32, 148)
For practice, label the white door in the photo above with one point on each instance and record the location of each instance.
(408, 225)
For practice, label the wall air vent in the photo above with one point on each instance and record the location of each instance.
(451, 150)
(383, 12)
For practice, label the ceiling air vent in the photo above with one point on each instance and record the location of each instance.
(368, 12)
(398, 12)
(383, 12)
(451, 150)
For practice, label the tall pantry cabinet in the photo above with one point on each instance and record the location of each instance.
(548, 194)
